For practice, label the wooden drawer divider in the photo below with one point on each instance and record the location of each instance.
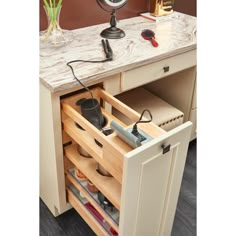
(109, 186)
(92, 201)
(85, 214)
(114, 149)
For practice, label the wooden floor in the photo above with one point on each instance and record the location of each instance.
(71, 224)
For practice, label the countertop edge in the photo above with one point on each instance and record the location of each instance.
(99, 77)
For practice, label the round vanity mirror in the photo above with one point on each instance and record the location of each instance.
(111, 6)
(114, 3)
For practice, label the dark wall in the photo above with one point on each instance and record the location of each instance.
(186, 6)
(82, 13)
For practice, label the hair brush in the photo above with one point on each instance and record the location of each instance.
(149, 35)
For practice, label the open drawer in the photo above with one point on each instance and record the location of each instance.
(145, 181)
(111, 154)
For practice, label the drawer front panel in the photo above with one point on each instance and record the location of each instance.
(148, 73)
(151, 184)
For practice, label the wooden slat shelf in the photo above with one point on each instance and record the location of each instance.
(92, 201)
(109, 186)
(81, 209)
(82, 138)
(73, 112)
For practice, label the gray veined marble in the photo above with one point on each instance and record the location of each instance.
(175, 33)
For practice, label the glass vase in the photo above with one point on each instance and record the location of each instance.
(54, 35)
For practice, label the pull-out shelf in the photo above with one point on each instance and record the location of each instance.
(145, 180)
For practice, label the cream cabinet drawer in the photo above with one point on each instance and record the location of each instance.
(151, 72)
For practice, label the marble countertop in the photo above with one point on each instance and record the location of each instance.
(175, 33)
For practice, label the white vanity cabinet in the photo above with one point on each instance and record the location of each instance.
(145, 181)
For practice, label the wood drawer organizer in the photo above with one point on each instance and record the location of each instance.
(145, 182)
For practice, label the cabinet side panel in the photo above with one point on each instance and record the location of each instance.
(48, 180)
(52, 185)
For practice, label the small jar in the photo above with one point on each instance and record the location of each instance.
(81, 195)
(82, 152)
(91, 187)
(102, 171)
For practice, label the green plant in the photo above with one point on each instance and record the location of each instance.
(53, 8)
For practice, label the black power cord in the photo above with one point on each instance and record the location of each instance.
(109, 57)
(135, 128)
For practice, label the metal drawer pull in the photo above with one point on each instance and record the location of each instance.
(165, 148)
(166, 68)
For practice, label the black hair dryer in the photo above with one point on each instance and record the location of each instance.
(91, 111)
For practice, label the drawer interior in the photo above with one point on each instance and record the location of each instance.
(87, 203)
(164, 115)
(113, 149)
(109, 186)
(84, 208)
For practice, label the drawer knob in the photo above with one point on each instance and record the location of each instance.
(166, 68)
(165, 148)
